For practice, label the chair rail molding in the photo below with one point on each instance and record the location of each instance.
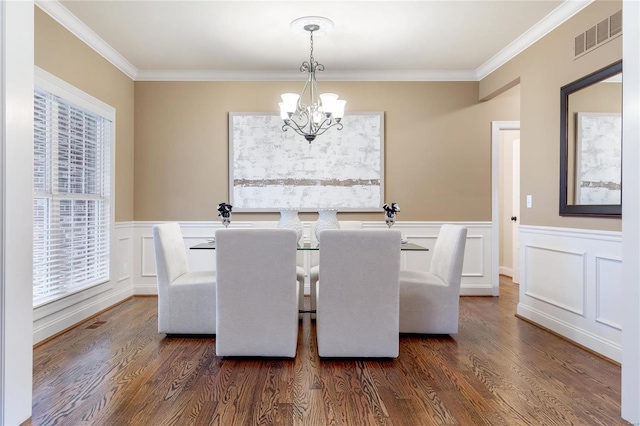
(571, 284)
(476, 274)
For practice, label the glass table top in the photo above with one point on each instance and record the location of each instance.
(308, 247)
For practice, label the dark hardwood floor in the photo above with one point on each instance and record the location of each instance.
(499, 370)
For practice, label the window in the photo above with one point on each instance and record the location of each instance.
(72, 192)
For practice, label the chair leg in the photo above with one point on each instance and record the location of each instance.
(313, 287)
(300, 299)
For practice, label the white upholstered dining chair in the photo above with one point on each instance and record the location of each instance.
(186, 300)
(257, 300)
(430, 301)
(300, 275)
(357, 296)
(314, 271)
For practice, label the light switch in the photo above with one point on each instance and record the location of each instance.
(529, 201)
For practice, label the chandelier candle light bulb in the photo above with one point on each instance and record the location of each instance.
(324, 110)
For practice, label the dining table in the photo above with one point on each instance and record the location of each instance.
(308, 246)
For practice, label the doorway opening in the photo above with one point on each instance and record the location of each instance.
(505, 235)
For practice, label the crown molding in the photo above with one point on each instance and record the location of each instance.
(554, 19)
(68, 20)
(216, 75)
(247, 75)
(400, 75)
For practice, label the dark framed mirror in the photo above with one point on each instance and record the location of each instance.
(591, 144)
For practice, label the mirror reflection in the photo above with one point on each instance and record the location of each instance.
(591, 146)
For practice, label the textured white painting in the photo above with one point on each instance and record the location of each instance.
(599, 158)
(271, 169)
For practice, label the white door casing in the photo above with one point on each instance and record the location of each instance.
(2, 133)
(515, 212)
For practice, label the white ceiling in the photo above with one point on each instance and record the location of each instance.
(251, 40)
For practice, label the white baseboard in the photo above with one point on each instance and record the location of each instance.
(145, 289)
(505, 270)
(476, 290)
(54, 324)
(583, 337)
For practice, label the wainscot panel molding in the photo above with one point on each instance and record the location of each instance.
(54, 317)
(571, 284)
(476, 273)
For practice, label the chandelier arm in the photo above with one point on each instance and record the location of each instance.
(298, 128)
(315, 90)
(339, 126)
(287, 126)
(301, 105)
(303, 115)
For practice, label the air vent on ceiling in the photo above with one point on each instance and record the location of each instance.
(604, 31)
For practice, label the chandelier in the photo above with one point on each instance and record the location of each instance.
(323, 110)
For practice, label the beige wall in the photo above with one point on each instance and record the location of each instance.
(437, 136)
(65, 56)
(437, 145)
(543, 69)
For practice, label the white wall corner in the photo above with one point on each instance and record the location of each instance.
(16, 185)
(631, 212)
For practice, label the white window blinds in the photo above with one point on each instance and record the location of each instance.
(72, 198)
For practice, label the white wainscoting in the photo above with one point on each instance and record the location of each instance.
(571, 283)
(570, 278)
(57, 316)
(476, 274)
(134, 272)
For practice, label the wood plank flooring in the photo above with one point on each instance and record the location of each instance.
(499, 370)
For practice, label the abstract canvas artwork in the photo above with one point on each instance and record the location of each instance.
(271, 169)
(599, 158)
